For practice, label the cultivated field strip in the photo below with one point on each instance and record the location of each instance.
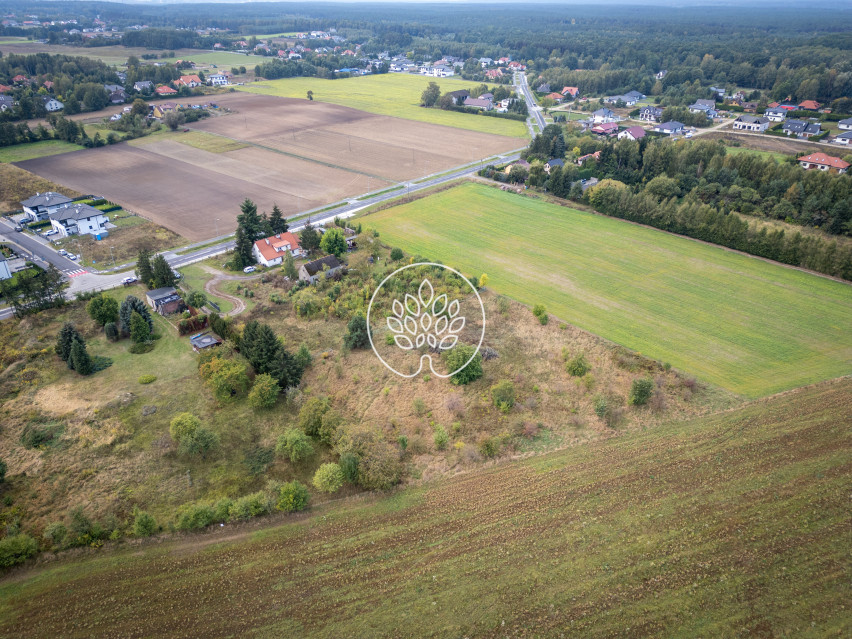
(733, 524)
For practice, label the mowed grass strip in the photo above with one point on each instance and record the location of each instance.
(32, 150)
(396, 94)
(730, 525)
(747, 325)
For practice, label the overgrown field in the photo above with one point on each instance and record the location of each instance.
(16, 185)
(396, 94)
(731, 525)
(744, 324)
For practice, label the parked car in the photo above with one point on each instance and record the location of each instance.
(19, 228)
(249, 269)
(63, 252)
(177, 274)
(71, 256)
(51, 232)
(129, 280)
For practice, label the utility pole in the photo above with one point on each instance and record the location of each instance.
(112, 256)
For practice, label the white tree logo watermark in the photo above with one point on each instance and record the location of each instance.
(425, 320)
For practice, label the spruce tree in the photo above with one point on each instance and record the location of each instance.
(80, 360)
(143, 267)
(128, 306)
(163, 273)
(309, 239)
(139, 329)
(243, 245)
(65, 342)
(249, 220)
(277, 221)
(290, 267)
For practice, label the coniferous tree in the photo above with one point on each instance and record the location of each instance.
(128, 306)
(139, 329)
(290, 266)
(65, 342)
(80, 360)
(163, 275)
(143, 267)
(277, 221)
(249, 220)
(309, 239)
(243, 245)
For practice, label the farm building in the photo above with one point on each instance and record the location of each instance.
(311, 271)
(165, 301)
(271, 250)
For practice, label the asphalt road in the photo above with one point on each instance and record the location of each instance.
(532, 107)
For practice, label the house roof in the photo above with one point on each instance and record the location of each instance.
(606, 127)
(317, 265)
(636, 132)
(776, 111)
(190, 78)
(555, 162)
(272, 247)
(707, 103)
(752, 119)
(800, 126)
(846, 135)
(50, 198)
(74, 211)
(477, 102)
(605, 112)
(811, 105)
(571, 90)
(658, 111)
(164, 90)
(822, 158)
(596, 155)
(458, 94)
(161, 293)
(670, 126)
(847, 121)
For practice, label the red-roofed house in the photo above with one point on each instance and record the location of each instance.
(493, 74)
(823, 162)
(4, 88)
(191, 81)
(48, 85)
(164, 90)
(572, 91)
(810, 105)
(556, 97)
(632, 133)
(270, 251)
(605, 128)
(591, 156)
(21, 79)
(517, 66)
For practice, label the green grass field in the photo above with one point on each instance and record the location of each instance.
(730, 525)
(736, 150)
(396, 94)
(747, 325)
(32, 150)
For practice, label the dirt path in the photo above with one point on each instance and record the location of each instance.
(219, 276)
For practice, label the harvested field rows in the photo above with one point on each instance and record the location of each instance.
(295, 153)
(731, 525)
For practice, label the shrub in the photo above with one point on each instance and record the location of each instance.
(201, 442)
(310, 416)
(600, 406)
(55, 533)
(419, 406)
(292, 497)
(577, 366)
(265, 391)
(396, 254)
(328, 478)
(349, 466)
(541, 313)
(402, 440)
(3, 469)
(489, 447)
(356, 335)
(16, 549)
(147, 379)
(295, 445)
(183, 425)
(103, 309)
(252, 505)
(35, 435)
(141, 348)
(226, 377)
(144, 525)
(111, 331)
(331, 421)
(440, 437)
(503, 394)
(456, 357)
(641, 391)
(196, 516)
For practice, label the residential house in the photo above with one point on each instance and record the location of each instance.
(52, 105)
(493, 74)
(572, 91)
(630, 98)
(543, 88)
(48, 84)
(311, 271)
(40, 205)
(846, 124)
(556, 97)
(604, 115)
(164, 90)
(707, 107)
(777, 114)
(844, 138)
(751, 123)
(670, 128)
(459, 96)
(810, 105)
(650, 113)
(76, 218)
(605, 129)
(823, 162)
(6, 102)
(113, 87)
(4, 88)
(589, 156)
(550, 164)
(118, 97)
(217, 79)
(479, 103)
(165, 301)
(190, 81)
(661, 74)
(521, 163)
(632, 133)
(159, 110)
(441, 71)
(517, 66)
(801, 128)
(485, 62)
(270, 251)
(5, 273)
(143, 85)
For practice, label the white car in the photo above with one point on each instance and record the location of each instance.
(71, 256)
(249, 269)
(688, 135)
(128, 280)
(51, 232)
(63, 252)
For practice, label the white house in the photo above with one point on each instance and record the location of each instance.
(40, 205)
(217, 79)
(650, 113)
(751, 123)
(846, 124)
(632, 133)
(271, 250)
(844, 138)
(776, 115)
(76, 218)
(6, 103)
(823, 162)
(311, 272)
(670, 128)
(604, 115)
(707, 107)
(52, 104)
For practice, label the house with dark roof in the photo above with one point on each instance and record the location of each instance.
(670, 128)
(604, 115)
(844, 138)
(76, 218)
(632, 133)
(52, 104)
(165, 301)
(822, 162)
(459, 96)
(707, 107)
(312, 271)
(550, 164)
(6, 102)
(143, 85)
(40, 205)
(776, 114)
(751, 123)
(650, 113)
(605, 129)
(801, 128)
(846, 124)
(543, 88)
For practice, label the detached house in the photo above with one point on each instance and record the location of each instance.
(40, 205)
(164, 90)
(459, 96)
(751, 123)
(776, 114)
(632, 133)
(190, 81)
(77, 218)
(810, 105)
(707, 107)
(479, 103)
(604, 115)
(6, 103)
(670, 128)
(572, 91)
(52, 104)
(271, 251)
(801, 128)
(312, 271)
(165, 301)
(650, 113)
(143, 85)
(846, 124)
(844, 138)
(217, 79)
(823, 162)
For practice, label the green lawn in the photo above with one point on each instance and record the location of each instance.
(744, 324)
(194, 279)
(736, 150)
(396, 94)
(32, 150)
(733, 525)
